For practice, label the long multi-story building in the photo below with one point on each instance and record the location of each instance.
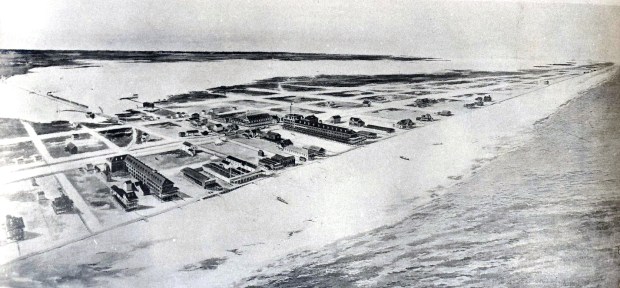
(234, 170)
(296, 122)
(253, 120)
(157, 184)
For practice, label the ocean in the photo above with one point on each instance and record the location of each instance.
(544, 215)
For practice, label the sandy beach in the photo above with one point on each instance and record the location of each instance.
(543, 215)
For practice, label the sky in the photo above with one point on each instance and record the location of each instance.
(450, 29)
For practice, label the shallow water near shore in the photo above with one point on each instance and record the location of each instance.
(544, 215)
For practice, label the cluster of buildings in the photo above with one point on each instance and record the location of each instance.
(311, 126)
(479, 101)
(193, 132)
(234, 170)
(305, 153)
(277, 162)
(150, 180)
(253, 120)
(276, 138)
(424, 102)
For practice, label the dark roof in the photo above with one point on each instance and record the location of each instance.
(268, 161)
(315, 148)
(336, 116)
(294, 116)
(14, 222)
(154, 175)
(279, 157)
(242, 162)
(325, 126)
(62, 201)
(286, 142)
(259, 116)
(312, 118)
(117, 158)
(122, 193)
(195, 174)
(71, 145)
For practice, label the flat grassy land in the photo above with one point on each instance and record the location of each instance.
(11, 128)
(56, 146)
(175, 158)
(8, 153)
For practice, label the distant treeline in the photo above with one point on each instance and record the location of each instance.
(20, 61)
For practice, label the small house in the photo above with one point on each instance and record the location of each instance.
(190, 148)
(405, 124)
(314, 151)
(272, 136)
(62, 204)
(284, 160)
(128, 199)
(215, 127)
(15, 228)
(425, 117)
(354, 121)
(270, 164)
(182, 134)
(445, 113)
(312, 119)
(487, 98)
(148, 104)
(193, 133)
(145, 137)
(335, 119)
(71, 148)
(366, 103)
(285, 142)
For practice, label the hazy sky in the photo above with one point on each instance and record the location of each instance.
(462, 29)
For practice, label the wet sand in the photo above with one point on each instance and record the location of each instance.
(544, 215)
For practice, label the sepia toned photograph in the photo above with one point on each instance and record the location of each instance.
(310, 143)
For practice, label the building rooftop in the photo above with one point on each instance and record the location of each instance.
(195, 174)
(122, 193)
(240, 161)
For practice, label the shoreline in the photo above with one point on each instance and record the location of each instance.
(529, 218)
(252, 210)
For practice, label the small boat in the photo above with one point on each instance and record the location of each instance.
(404, 158)
(281, 200)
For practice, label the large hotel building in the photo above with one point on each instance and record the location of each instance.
(311, 126)
(156, 183)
